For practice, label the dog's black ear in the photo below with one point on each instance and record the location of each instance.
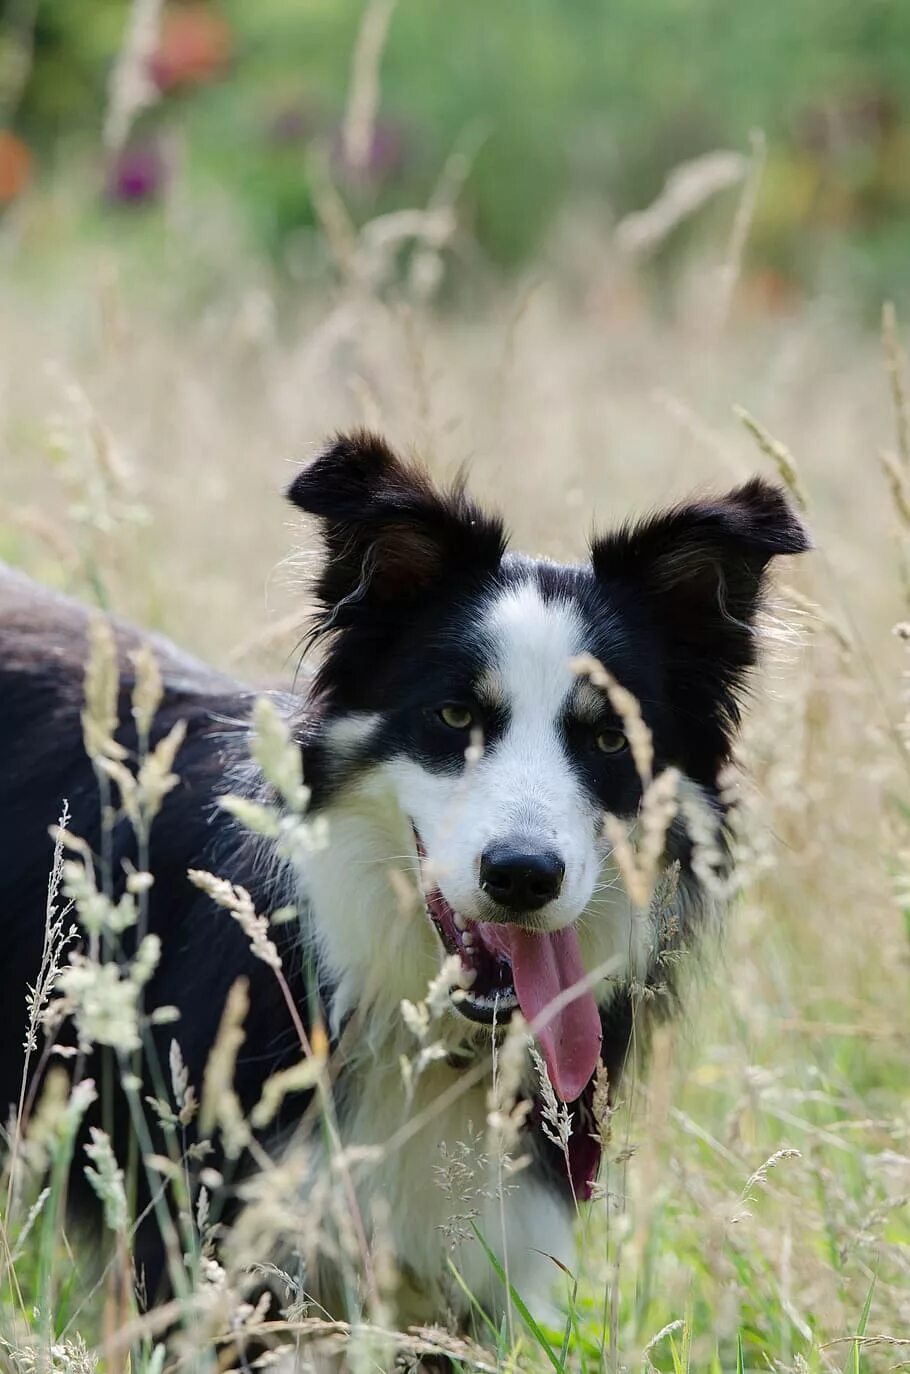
(389, 533)
(701, 570)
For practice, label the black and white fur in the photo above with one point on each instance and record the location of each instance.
(443, 712)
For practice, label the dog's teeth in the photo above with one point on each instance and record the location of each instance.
(467, 977)
(460, 922)
(467, 940)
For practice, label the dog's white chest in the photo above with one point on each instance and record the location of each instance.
(427, 1173)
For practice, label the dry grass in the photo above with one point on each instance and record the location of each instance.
(754, 1212)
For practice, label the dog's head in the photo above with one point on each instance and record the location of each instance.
(451, 687)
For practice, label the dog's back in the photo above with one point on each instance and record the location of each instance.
(45, 639)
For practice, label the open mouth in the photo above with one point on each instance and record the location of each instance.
(506, 966)
(487, 988)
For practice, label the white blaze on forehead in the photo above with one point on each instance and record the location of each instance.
(533, 642)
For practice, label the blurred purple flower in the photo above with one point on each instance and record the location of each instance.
(137, 175)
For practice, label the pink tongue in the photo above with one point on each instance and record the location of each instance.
(543, 966)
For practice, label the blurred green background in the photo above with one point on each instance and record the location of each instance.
(552, 104)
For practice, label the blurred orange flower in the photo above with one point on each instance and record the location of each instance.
(15, 166)
(194, 47)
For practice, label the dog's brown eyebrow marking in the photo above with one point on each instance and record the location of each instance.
(489, 690)
(587, 703)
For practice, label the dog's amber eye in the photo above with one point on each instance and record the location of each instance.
(456, 717)
(611, 741)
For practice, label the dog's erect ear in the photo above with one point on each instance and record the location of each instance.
(700, 569)
(389, 534)
(698, 549)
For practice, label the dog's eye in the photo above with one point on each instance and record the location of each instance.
(610, 741)
(457, 717)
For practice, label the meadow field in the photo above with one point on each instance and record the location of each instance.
(161, 378)
(754, 1205)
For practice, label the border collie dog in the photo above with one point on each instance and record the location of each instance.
(450, 743)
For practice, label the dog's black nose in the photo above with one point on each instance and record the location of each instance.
(519, 878)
